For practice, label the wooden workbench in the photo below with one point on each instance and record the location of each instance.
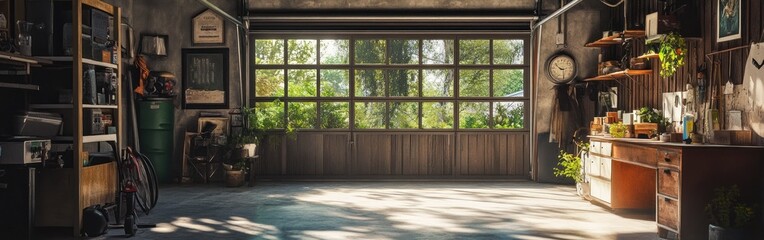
(673, 179)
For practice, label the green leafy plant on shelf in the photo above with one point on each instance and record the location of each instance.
(649, 115)
(671, 51)
(727, 210)
(569, 165)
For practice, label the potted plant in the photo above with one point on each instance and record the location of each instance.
(671, 51)
(570, 166)
(240, 146)
(729, 216)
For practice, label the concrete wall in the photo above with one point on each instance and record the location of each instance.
(173, 18)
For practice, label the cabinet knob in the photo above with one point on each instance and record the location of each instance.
(666, 199)
(667, 157)
(667, 171)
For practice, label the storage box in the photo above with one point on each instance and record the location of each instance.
(92, 121)
(37, 124)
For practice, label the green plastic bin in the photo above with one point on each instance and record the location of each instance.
(156, 124)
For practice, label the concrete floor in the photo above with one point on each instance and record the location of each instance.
(385, 210)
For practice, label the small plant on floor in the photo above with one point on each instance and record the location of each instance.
(569, 165)
(726, 210)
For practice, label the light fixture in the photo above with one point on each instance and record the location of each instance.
(154, 45)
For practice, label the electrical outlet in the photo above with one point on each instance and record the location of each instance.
(560, 39)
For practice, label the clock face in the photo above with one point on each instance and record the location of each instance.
(561, 68)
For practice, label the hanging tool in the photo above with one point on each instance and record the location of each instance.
(728, 87)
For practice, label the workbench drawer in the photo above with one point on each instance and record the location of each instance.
(668, 212)
(606, 149)
(636, 154)
(668, 181)
(595, 147)
(670, 157)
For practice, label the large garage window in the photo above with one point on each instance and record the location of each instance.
(392, 82)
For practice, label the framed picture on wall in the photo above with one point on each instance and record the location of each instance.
(728, 24)
(205, 78)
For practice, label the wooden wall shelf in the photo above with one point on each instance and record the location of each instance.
(650, 56)
(616, 38)
(620, 74)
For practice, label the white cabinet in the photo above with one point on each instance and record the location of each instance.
(598, 170)
(601, 189)
(605, 167)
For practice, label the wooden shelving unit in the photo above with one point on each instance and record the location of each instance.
(650, 56)
(68, 191)
(620, 74)
(616, 38)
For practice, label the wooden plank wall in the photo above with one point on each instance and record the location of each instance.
(646, 90)
(395, 155)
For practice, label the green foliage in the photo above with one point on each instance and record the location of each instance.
(569, 165)
(268, 115)
(473, 115)
(672, 51)
(508, 82)
(473, 83)
(618, 130)
(474, 51)
(650, 115)
(370, 115)
(508, 115)
(727, 210)
(335, 115)
(302, 82)
(302, 51)
(404, 115)
(437, 115)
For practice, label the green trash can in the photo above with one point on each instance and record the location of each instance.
(156, 124)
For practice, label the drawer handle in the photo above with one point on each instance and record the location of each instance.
(666, 199)
(667, 157)
(667, 171)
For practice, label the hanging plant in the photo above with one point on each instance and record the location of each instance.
(672, 51)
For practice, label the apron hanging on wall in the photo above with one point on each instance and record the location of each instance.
(753, 83)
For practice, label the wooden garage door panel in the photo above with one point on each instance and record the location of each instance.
(422, 154)
(373, 155)
(493, 154)
(335, 154)
(269, 163)
(305, 154)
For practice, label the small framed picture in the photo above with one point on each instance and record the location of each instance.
(728, 16)
(208, 28)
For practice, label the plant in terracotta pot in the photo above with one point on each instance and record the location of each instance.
(730, 217)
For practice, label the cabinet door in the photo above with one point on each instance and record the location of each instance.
(605, 167)
(601, 189)
(595, 147)
(593, 166)
(606, 149)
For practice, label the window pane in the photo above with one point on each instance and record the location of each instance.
(302, 51)
(404, 51)
(508, 83)
(269, 115)
(334, 51)
(370, 115)
(473, 83)
(369, 51)
(473, 115)
(334, 83)
(474, 51)
(269, 83)
(437, 115)
(335, 115)
(437, 51)
(302, 114)
(508, 51)
(403, 82)
(404, 115)
(508, 115)
(438, 83)
(269, 51)
(302, 83)
(369, 83)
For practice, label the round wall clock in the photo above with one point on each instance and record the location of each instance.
(561, 68)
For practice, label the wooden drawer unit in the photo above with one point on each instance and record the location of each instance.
(640, 155)
(668, 213)
(670, 157)
(595, 147)
(668, 181)
(606, 149)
